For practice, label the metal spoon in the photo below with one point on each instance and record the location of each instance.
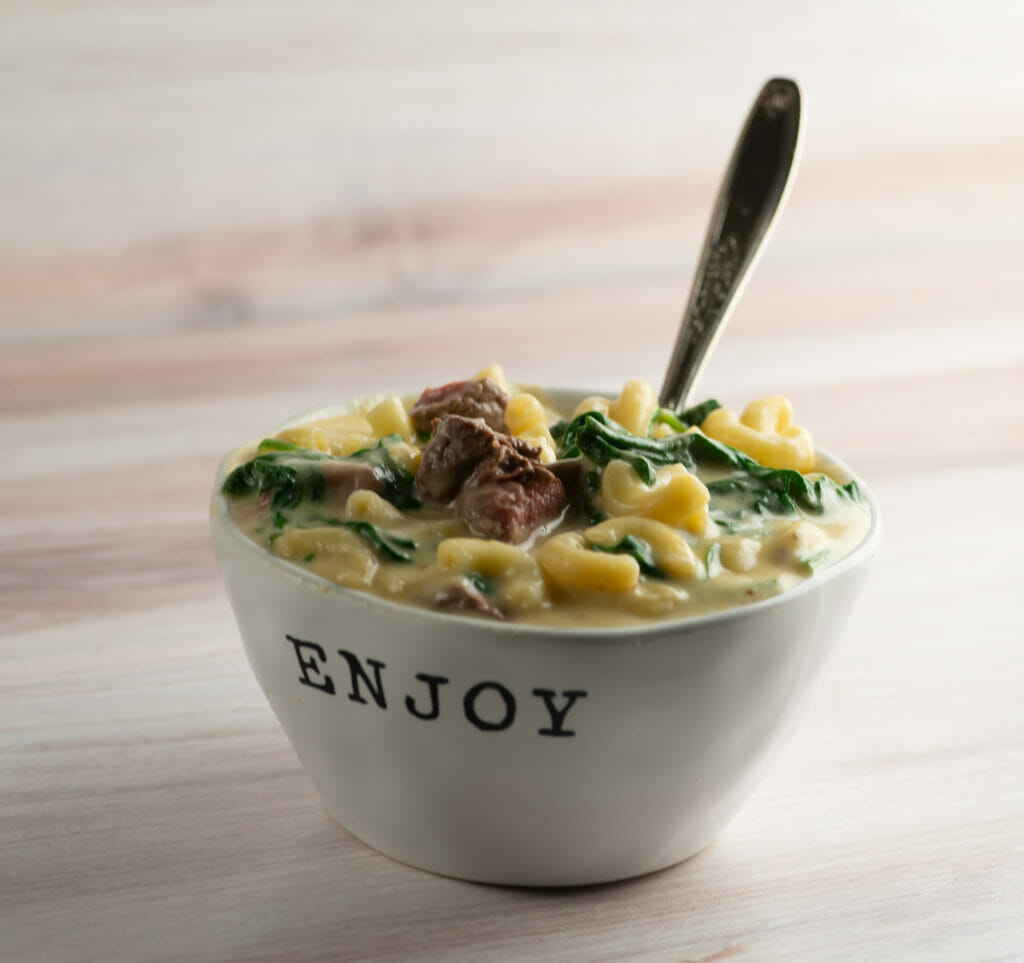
(752, 192)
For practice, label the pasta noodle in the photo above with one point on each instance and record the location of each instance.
(525, 418)
(671, 551)
(766, 432)
(389, 417)
(634, 407)
(676, 498)
(571, 567)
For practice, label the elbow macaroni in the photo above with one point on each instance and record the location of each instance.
(634, 407)
(313, 437)
(519, 578)
(676, 498)
(796, 545)
(367, 505)
(765, 431)
(592, 403)
(526, 419)
(495, 373)
(389, 417)
(571, 567)
(672, 553)
(339, 436)
(488, 557)
(333, 553)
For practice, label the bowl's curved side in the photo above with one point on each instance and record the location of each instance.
(529, 756)
(537, 757)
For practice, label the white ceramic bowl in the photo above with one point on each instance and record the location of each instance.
(525, 755)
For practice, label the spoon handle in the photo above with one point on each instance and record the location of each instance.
(751, 193)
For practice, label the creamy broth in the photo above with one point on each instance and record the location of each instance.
(482, 499)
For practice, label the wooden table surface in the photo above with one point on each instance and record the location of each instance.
(215, 215)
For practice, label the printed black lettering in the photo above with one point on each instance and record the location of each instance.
(558, 715)
(469, 706)
(309, 668)
(358, 674)
(434, 682)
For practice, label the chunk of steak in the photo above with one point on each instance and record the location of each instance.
(478, 398)
(508, 498)
(458, 445)
(569, 471)
(495, 483)
(464, 596)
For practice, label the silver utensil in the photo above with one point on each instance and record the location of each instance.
(752, 192)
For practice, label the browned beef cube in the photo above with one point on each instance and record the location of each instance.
(569, 471)
(508, 498)
(449, 458)
(495, 483)
(458, 445)
(479, 398)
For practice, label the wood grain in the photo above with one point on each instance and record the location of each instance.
(214, 219)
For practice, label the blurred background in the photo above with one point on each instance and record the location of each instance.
(394, 179)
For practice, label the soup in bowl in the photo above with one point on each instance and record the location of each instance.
(533, 637)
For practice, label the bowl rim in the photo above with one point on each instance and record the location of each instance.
(220, 517)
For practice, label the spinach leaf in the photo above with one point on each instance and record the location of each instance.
(289, 476)
(481, 582)
(731, 522)
(781, 491)
(558, 430)
(388, 546)
(816, 560)
(761, 489)
(399, 485)
(638, 549)
(591, 489)
(713, 559)
(601, 440)
(278, 444)
(687, 419)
